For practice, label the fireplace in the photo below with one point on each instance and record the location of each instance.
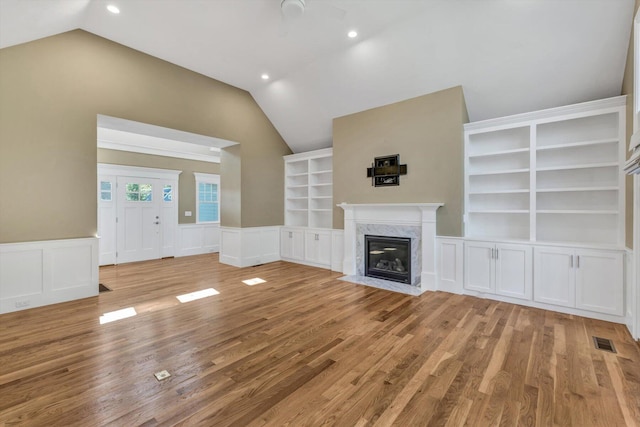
(415, 221)
(388, 258)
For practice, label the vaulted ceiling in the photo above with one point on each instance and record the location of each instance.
(510, 56)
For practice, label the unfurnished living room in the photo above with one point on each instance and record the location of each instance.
(319, 212)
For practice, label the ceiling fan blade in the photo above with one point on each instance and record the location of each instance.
(326, 10)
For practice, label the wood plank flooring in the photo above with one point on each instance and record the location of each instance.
(306, 349)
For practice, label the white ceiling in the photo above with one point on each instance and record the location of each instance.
(510, 56)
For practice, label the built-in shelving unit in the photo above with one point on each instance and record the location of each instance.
(309, 189)
(549, 176)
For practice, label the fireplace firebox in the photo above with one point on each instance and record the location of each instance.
(388, 258)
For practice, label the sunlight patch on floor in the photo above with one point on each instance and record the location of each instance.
(112, 316)
(197, 295)
(254, 281)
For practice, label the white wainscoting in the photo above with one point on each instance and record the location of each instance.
(33, 274)
(630, 293)
(450, 264)
(337, 250)
(196, 239)
(244, 247)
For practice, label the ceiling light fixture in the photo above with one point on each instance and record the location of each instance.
(113, 9)
(352, 34)
(292, 9)
(265, 76)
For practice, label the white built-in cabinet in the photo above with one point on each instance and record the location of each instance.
(582, 278)
(292, 244)
(307, 236)
(545, 207)
(317, 248)
(311, 246)
(502, 269)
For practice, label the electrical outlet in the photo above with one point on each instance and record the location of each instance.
(23, 303)
(162, 375)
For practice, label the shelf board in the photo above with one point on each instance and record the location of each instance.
(499, 153)
(584, 166)
(578, 211)
(321, 210)
(321, 197)
(500, 211)
(319, 185)
(298, 186)
(297, 210)
(566, 189)
(297, 174)
(297, 198)
(503, 172)
(328, 171)
(577, 144)
(472, 193)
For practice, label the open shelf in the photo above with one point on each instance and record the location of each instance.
(499, 172)
(580, 166)
(500, 153)
(571, 189)
(578, 144)
(309, 189)
(554, 173)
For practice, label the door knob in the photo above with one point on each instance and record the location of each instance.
(157, 222)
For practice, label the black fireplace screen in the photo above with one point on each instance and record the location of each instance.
(388, 258)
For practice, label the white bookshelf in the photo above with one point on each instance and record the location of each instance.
(548, 176)
(309, 189)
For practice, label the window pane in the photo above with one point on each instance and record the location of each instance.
(132, 188)
(208, 212)
(133, 197)
(167, 194)
(147, 188)
(105, 196)
(146, 197)
(105, 185)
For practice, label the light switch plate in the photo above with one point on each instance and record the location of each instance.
(187, 213)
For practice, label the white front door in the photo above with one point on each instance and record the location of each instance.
(139, 219)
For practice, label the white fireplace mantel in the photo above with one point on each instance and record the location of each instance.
(401, 214)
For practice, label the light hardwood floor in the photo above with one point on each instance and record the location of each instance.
(305, 349)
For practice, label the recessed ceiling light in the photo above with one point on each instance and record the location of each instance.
(113, 9)
(352, 34)
(265, 76)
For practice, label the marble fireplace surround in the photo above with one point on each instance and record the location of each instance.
(414, 220)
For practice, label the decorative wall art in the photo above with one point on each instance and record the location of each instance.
(386, 171)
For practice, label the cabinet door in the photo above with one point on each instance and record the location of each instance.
(514, 275)
(479, 266)
(318, 247)
(554, 276)
(324, 248)
(291, 244)
(599, 283)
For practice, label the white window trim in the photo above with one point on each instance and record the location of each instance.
(206, 178)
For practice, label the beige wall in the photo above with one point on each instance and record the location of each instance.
(427, 132)
(230, 199)
(627, 89)
(187, 180)
(50, 93)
